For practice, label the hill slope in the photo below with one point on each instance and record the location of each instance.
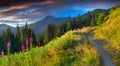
(96, 12)
(110, 32)
(72, 49)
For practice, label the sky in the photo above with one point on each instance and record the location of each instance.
(30, 11)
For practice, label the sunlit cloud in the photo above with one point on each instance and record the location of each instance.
(13, 22)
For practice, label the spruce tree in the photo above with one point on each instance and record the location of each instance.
(68, 24)
(100, 19)
(79, 21)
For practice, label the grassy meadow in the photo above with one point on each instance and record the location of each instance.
(72, 49)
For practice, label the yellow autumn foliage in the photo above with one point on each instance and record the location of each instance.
(110, 33)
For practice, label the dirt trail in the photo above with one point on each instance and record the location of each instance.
(107, 60)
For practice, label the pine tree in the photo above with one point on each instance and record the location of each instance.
(48, 34)
(8, 33)
(56, 29)
(40, 40)
(64, 26)
(69, 24)
(92, 22)
(31, 33)
(17, 38)
(24, 33)
(79, 21)
(17, 32)
(74, 24)
(100, 19)
(87, 19)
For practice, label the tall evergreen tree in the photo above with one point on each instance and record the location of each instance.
(74, 24)
(87, 19)
(24, 33)
(92, 23)
(100, 19)
(17, 38)
(17, 31)
(48, 34)
(64, 26)
(79, 21)
(68, 24)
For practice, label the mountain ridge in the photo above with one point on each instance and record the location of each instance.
(40, 25)
(3, 27)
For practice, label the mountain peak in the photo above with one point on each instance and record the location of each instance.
(49, 17)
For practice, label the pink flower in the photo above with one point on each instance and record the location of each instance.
(23, 48)
(31, 39)
(2, 52)
(27, 41)
(8, 44)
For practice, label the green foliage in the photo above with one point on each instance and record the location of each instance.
(100, 19)
(52, 31)
(79, 23)
(87, 19)
(72, 49)
(56, 30)
(93, 23)
(16, 39)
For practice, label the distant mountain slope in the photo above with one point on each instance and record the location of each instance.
(96, 12)
(42, 24)
(3, 27)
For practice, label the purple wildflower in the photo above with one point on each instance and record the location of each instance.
(2, 52)
(8, 44)
(23, 48)
(27, 41)
(31, 39)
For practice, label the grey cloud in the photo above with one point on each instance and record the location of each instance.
(38, 9)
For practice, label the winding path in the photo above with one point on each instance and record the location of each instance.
(107, 60)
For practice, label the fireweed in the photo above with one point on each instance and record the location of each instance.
(2, 53)
(8, 49)
(8, 46)
(23, 48)
(26, 43)
(31, 40)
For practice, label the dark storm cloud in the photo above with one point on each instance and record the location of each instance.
(47, 6)
(4, 3)
(17, 2)
(34, 10)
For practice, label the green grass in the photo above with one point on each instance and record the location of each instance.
(72, 49)
(110, 33)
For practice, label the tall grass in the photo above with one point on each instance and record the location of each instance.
(110, 33)
(72, 49)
